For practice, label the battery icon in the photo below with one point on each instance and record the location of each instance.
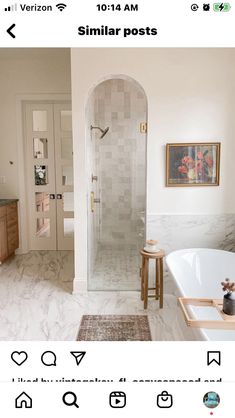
(221, 7)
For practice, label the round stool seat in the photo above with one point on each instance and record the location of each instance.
(158, 254)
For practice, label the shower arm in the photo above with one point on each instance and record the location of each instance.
(103, 131)
(96, 127)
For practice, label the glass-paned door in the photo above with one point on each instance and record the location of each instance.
(41, 176)
(64, 176)
(49, 151)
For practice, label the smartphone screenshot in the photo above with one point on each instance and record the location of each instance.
(117, 208)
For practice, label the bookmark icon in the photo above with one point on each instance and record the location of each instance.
(213, 357)
(78, 355)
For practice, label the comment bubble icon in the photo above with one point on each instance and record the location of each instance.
(48, 358)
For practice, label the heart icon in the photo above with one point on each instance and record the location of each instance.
(19, 357)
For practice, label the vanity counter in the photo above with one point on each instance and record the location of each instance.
(4, 202)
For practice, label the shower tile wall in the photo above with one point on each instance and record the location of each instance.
(93, 219)
(117, 226)
(120, 161)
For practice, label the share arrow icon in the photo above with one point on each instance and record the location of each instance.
(78, 355)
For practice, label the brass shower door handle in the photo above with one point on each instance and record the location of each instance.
(92, 198)
(93, 201)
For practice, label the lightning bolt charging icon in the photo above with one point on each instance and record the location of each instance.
(221, 7)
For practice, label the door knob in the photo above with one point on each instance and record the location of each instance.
(52, 196)
(59, 196)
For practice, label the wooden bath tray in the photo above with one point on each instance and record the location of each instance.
(227, 322)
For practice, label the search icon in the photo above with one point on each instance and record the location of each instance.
(70, 399)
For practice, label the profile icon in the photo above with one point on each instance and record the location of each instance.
(211, 400)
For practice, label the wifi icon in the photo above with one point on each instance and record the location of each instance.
(61, 6)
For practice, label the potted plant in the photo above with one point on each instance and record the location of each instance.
(229, 297)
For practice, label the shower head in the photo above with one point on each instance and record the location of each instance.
(103, 131)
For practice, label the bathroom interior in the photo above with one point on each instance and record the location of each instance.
(126, 106)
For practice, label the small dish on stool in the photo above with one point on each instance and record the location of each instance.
(151, 246)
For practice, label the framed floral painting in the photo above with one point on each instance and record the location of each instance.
(193, 164)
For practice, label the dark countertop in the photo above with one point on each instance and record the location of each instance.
(4, 202)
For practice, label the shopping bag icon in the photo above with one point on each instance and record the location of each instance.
(164, 400)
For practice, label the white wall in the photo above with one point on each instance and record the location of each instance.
(190, 98)
(22, 72)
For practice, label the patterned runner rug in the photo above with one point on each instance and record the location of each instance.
(114, 328)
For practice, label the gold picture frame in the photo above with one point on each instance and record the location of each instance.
(193, 164)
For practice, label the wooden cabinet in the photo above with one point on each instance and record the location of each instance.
(9, 235)
(3, 233)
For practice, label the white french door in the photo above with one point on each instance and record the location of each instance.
(49, 158)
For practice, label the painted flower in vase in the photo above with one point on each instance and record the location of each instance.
(193, 164)
(197, 166)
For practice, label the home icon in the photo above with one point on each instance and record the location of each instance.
(23, 401)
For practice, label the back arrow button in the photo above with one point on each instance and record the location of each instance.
(9, 30)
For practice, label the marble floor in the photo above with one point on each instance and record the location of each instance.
(122, 262)
(36, 302)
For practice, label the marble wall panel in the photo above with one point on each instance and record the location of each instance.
(187, 231)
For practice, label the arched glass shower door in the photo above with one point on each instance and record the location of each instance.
(117, 184)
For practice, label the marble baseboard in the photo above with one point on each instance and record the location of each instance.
(175, 232)
(79, 286)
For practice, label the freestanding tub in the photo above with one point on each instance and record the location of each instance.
(198, 273)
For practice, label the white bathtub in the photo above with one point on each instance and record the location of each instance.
(198, 272)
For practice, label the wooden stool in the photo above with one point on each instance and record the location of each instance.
(145, 276)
